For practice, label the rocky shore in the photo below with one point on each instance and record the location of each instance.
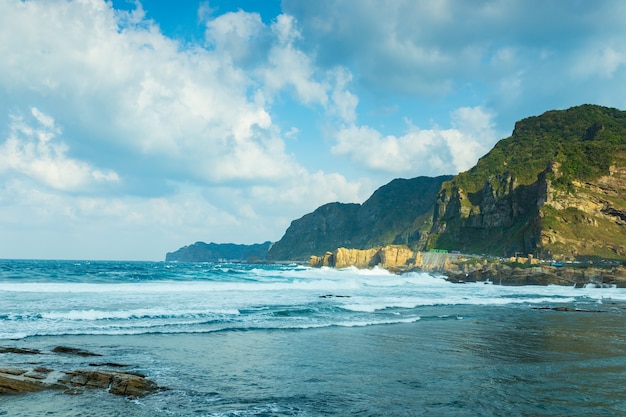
(16, 380)
(460, 268)
(541, 275)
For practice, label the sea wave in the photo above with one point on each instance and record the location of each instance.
(91, 315)
(48, 299)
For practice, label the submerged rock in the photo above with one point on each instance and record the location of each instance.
(21, 351)
(118, 383)
(73, 351)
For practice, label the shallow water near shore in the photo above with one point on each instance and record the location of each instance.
(388, 346)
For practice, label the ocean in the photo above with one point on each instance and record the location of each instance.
(287, 340)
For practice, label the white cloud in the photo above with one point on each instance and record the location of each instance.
(206, 139)
(131, 87)
(343, 102)
(45, 223)
(32, 152)
(288, 66)
(240, 36)
(421, 152)
(190, 110)
(508, 53)
(138, 110)
(600, 60)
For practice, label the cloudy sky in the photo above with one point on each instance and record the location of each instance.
(131, 128)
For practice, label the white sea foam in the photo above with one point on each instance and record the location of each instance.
(196, 299)
(90, 315)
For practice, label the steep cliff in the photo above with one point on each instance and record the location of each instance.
(397, 258)
(556, 187)
(397, 213)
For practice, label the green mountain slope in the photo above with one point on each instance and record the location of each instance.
(397, 213)
(215, 252)
(555, 187)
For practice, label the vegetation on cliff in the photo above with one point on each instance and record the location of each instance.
(215, 252)
(556, 187)
(583, 140)
(397, 213)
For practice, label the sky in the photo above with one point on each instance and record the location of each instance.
(129, 129)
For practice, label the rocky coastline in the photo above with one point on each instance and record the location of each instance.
(459, 268)
(36, 377)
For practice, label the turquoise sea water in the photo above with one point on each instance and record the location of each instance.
(270, 340)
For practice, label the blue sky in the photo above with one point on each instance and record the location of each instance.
(131, 128)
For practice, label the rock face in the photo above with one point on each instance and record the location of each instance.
(397, 258)
(365, 258)
(541, 275)
(397, 213)
(458, 268)
(216, 252)
(16, 380)
(555, 188)
(119, 383)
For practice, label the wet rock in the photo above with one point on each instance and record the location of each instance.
(12, 383)
(87, 379)
(73, 351)
(132, 385)
(21, 351)
(110, 364)
(119, 383)
(16, 381)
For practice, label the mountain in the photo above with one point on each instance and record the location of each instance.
(216, 252)
(555, 188)
(399, 212)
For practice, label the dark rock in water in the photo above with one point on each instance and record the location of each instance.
(21, 351)
(87, 379)
(110, 364)
(73, 351)
(118, 383)
(132, 385)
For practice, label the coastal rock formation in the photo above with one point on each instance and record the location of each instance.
(366, 258)
(15, 380)
(127, 384)
(504, 274)
(19, 380)
(395, 258)
(556, 188)
(459, 268)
